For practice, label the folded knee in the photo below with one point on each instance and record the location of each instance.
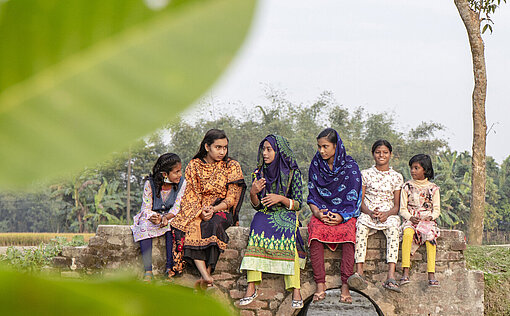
(408, 232)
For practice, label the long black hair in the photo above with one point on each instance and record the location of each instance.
(165, 163)
(209, 138)
(425, 162)
(330, 135)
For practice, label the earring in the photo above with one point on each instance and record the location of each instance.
(166, 180)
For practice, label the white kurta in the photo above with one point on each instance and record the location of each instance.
(379, 193)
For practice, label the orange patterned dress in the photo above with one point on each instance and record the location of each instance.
(209, 184)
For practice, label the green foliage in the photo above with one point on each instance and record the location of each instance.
(453, 177)
(89, 77)
(33, 259)
(98, 195)
(300, 124)
(495, 264)
(80, 79)
(27, 294)
(30, 212)
(103, 202)
(485, 8)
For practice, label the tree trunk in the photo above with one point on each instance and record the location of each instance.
(78, 209)
(128, 202)
(85, 226)
(472, 21)
(80, 226)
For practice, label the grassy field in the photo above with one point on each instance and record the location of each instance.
(34, 239)
(494, 261)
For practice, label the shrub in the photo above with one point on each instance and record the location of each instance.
(33, 259)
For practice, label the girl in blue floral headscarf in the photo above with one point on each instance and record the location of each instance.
(275, 245)
(334, 197)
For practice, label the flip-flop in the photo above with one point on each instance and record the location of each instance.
(434, 283)
(345, 299)
(394, 288)
(404, 280)
(319, 296)
(357, 281)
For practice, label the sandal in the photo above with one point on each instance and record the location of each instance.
(434, 283)
(148, 277)
(357, 281)
(247, 300)
(345, 299)
(169, 274)
(404, 280)
(392, 285)
(319, 296)
(297, 303)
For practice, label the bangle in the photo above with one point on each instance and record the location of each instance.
(291, 204)
(253, 205)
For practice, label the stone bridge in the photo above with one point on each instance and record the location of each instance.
(461, 291)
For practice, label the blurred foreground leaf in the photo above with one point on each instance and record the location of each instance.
(80, 79)
(26, 294)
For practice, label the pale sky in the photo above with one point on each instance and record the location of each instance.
(409, 57)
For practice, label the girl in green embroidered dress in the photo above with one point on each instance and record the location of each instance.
(275, 245)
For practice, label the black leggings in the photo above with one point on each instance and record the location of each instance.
(146, 247)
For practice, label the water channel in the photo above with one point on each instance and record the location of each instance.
(331, 306)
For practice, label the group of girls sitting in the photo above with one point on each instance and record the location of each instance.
(347, 204)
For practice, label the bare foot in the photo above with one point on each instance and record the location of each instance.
(296, 295)
(250, 290)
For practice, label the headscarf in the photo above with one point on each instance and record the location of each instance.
(338, 190)
(279, 170)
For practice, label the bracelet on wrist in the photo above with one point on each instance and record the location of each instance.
(253, 205)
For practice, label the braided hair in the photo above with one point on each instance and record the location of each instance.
(165, 163)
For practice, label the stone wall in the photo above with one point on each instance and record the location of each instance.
(461, 291)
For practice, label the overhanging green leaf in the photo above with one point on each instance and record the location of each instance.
(101, 95)
(24, 294)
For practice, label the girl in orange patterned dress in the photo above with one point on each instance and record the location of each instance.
(213, 196)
